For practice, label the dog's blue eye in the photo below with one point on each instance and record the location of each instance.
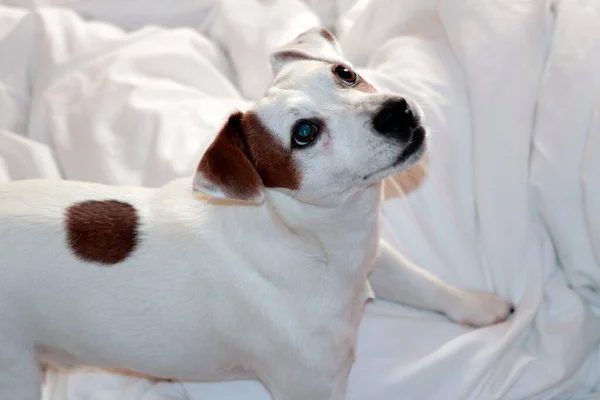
(304, 133)
(305, 130)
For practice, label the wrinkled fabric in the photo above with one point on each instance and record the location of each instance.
(507, 200)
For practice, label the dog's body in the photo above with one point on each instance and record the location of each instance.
(195, 294)
(263, 274)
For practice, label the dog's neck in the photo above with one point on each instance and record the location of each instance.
(343, 236)
(347, 229)
(358, 208)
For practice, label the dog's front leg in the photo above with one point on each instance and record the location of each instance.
(396, 279)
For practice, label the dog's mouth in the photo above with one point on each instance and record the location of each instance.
(410, 155)
(415, 145)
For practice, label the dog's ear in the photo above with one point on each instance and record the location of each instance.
(316, 43)
(225, 170)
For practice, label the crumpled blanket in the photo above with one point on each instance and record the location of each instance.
(507, 200)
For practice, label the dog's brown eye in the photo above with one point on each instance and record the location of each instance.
(347, 76)
(304, 133)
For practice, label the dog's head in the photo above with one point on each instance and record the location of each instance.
(320, 131)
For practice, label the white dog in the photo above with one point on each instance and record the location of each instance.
(254, 268)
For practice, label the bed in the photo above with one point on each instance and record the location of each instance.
(507, 200)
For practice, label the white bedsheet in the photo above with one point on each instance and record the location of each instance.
(509, 198)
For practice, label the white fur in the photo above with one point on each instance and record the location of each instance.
(218, 291)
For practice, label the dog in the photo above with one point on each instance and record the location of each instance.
(256, 267)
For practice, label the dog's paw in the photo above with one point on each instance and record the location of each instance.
(476, 308)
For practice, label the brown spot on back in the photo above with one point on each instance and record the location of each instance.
(102, 231)
(272, 160)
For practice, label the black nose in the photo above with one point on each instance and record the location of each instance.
(395, 119)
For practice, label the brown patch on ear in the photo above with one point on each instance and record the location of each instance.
(102, 231)
(327, 35)
(273, 161)
(227, 164)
